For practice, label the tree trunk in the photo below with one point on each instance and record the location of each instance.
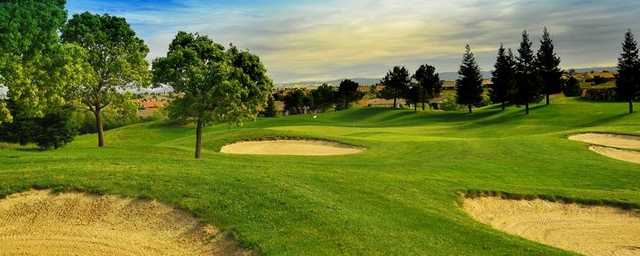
(423, 104)
(526, 107)
(630, 105)
(470, 108)
(415, 107)
(548, 102)
(98, 116)
(394, 102)
(199, 126)
(504, 105)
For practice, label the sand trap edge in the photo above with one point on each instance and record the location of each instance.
(631, 242)
(624, 147)
(355, 149)
(174, 225)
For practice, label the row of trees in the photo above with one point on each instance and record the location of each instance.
(49, 64)
(521, 80)
(321, 99)
(419, 88)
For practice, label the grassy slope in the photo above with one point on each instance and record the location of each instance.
(397, 198)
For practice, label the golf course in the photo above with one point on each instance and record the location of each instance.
(401, 194)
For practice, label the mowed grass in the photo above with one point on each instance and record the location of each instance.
(399, 197)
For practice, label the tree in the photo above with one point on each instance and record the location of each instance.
(469, 83)
(117, 58)
(55, 129)
(429, 83)
(628, 81)
(296, 101)
(572, 86)
(413, 96)
(548, 64)
(348, 93)
(396, 83)
(503, 77)
(323, 98)
(215, 85)
(270, 109)
(528, 88)
(34, 66)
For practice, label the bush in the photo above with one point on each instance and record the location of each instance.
(55, 130)
(572, 87)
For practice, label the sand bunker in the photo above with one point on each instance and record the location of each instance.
(590, 230)
(612, 145)
(41, 223)
(290, 147)
(609, 140)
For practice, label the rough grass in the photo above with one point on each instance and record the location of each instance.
(397, 198)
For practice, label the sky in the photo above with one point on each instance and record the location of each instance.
(306, 40)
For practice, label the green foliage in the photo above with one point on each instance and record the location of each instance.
(413, 96)
(429, 83)
(324, 98)
(34, 66)
(296, 102)
(270, 110)
(548, 64)
(116, 57)
(215, 86)
(572, 87)
(628, 81)
(469, 84)
(503, 78)
(528, 84)
(396, 83)
(55, 130)
(347, 94)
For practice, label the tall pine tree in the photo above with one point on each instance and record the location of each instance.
(629, 70)
(549, 66)
(469, 83)
(429, 83)
(528, 89)
(503, 77)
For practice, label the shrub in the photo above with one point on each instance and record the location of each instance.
(55, 130)
(572, 87)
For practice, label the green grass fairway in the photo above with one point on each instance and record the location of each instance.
(399, 197)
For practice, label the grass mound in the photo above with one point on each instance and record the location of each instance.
(42, 223)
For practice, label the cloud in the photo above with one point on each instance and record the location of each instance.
(311, 40)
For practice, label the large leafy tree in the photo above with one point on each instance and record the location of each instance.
(34, 66)
(396, 83)
(348, 93)
(429, 84)
(503, 77)
(214, 84)
(469, 84)
(549, 66)
(628, 81)
(528, 89)
(117, 58)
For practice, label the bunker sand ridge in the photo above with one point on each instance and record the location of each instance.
(589, 230)
(42, 223)
(621, 147)
(290, 147)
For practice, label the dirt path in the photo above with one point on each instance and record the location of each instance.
(290, 147)
(583, 229)
(40, 223)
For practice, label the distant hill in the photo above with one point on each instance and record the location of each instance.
(446, 76)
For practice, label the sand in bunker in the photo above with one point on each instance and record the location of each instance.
(620, 154)
(290, 147)
(41, 223)
(589, 230)
(609, 140)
